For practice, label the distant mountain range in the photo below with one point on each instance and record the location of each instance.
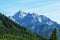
(39, 24)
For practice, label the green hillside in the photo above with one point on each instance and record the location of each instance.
(9, 30)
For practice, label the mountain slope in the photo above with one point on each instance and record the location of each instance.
(9, 30)
(39, 24)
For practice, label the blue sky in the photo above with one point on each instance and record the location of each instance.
(49, 8)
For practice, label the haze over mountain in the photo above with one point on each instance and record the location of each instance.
(39, 24)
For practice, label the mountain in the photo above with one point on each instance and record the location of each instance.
(9, 30)
(39, 24)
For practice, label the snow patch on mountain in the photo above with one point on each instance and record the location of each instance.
(49, 23)
(39, 20)
(22, 14)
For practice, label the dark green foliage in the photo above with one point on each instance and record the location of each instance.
(54, 35)
(9, 30)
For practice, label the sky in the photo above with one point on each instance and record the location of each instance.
(49, 8)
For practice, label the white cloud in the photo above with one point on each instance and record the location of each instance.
(52, 11)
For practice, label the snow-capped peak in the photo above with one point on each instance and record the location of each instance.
(22, 14)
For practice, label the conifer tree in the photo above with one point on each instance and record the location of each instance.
(54, 35)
